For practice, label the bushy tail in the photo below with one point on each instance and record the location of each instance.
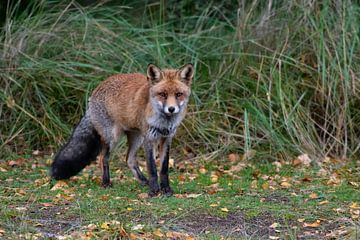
(82, 148)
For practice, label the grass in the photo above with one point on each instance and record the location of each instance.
(232, 206)
(280, 78)
(274, 81)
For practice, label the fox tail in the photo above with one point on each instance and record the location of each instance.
(82, 148)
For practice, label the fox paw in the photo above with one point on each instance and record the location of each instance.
(153, 193)
(106, 184)
(167, 191)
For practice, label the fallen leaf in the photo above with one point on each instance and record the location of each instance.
(143, 195)
(313, 195)
(202, 170)
(265, 185)
(354, 205)
(323, 202)
(15, 163)
(313, 225)
(158, 233)
(193, 195)
(274, 237)
(214, 177)
(137, 227)
(105, 226)
(224, 209)
(214, 205)
(301, 220)
(285, 184)
(59, 185)
(233, 157)
(275, 225)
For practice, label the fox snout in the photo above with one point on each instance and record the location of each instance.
(172, 109)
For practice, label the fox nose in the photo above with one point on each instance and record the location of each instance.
(171, 109)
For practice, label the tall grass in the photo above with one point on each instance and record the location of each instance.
(276, 77)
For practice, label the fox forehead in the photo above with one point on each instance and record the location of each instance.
(170, 87)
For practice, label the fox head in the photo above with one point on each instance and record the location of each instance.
(170, 88)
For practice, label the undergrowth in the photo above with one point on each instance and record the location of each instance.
(280, 78)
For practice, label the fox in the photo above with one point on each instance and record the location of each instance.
(147, 109)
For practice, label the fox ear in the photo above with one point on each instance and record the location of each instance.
(153, 74)
(187, 73)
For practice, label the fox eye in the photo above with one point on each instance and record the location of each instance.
(163, 94)
(179, 94)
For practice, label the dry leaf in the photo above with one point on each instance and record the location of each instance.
(214, 177)
(354, 205)
(265, 185)
(202, 170)
(105, 226)
(274, 237)
(233, 157)
(323, 202)
(59, 185)
(158, 233)
(193, 195)
(313, 225)
(143, 195)
(275, 225)
(224, 209)
(137, 227)
(285, 184)
(313, 195)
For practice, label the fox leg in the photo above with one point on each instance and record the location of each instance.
(135, 140)
(151, 167)
(107, 144)
(164, 166)
(104, 165)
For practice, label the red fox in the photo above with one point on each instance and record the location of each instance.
(147, 109)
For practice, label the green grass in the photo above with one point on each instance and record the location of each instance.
(29, 207)
(274, 79)
(280, 78)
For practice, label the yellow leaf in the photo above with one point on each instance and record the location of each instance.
(354, 205)
(265, 185)
(105, 225)
(224, 209)
(285, 184)
(158, 233)
(301, 220)
(313, 225)
(129, 209)
(214, 205)
(323, 202)
(59, 185)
